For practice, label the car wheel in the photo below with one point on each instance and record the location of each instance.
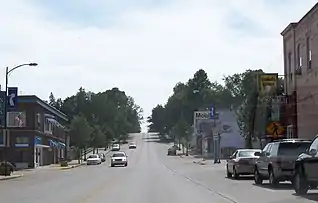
(112, 165)
(235, 174)
(300, 183)
(273, 181)
(228, 174)
(257, 177)
(126, 164)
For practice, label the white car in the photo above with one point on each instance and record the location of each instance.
(115, 147)
(132, 145)
(93, 159)
(119, 158)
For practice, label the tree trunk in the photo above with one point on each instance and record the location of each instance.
(78, 155)
(187, 149)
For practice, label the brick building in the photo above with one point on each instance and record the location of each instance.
(300, 43)
(36, 135)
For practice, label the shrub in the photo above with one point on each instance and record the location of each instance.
(6, 168)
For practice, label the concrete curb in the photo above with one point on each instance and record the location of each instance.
(202, 162)
(74, 166)
(78, 165)
(11, 177)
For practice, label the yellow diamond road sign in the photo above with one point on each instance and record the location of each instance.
(275, 129)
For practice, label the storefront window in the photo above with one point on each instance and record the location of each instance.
(1, 139)
(22, 141)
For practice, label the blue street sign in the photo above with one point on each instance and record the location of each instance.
(2, 106)
(212, 111)
(12, 97)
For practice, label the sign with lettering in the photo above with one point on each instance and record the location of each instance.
(204, 115)
(268, 82)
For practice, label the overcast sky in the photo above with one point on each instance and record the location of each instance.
(144, 47)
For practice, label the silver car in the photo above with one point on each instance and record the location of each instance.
(119, 158)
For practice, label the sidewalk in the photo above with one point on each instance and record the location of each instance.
(197, 159)
(13, 176)
(75, 164)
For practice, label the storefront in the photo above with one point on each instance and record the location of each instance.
(57, 150)
(39, 149)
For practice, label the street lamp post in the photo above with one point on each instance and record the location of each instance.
(8, 71)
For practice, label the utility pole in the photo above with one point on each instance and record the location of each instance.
(6, 110)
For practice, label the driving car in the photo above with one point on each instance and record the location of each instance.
(132, 145)
(115, 147)
(93, 159)
(119, 158)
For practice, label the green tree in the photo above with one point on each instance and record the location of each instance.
(243, 88)
(52, 100)
(97, 138)
(197, 94)
(157, 120)
(80, 132)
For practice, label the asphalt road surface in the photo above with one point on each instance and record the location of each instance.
(151, 177)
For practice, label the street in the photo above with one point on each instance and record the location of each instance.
(151, 177)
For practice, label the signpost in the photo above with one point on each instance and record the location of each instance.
(217, 148)
(206, 115)
(12, 97)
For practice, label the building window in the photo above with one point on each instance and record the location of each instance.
(290, 67)
(48, 126)
(289, 131)
(16, 119)
(38, 121)
(1, 139)
(299, 58)
(22, 141)
(308, 53)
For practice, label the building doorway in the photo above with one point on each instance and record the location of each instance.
(39, 155)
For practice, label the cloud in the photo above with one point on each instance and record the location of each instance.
(144, 48)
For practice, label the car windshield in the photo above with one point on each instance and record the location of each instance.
(116, 145)
(119, 155)
(246, 153)
(132, 143)
(292, 149)
(92, 156)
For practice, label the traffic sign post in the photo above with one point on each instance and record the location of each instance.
(12, 97)
(217, 148)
